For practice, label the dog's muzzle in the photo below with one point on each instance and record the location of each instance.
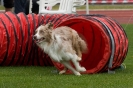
(34, 37)
(38, 40)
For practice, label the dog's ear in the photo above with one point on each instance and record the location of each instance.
(43, 24)
(50, 25)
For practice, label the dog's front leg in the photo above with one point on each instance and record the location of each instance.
(68, 65)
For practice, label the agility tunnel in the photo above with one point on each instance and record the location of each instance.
(106, 39)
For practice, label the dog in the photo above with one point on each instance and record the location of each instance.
(63, 45)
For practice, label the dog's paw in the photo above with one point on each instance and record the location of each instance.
(62, 72)
(77, 73)
(78, 59)
(82, 69)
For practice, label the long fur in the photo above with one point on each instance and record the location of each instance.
(63, 45)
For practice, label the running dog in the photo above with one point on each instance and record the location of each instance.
(63, 45)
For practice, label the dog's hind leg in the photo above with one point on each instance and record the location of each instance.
(77, 65)
(63, 71)
(78, 50)
(68, 65)
(79, 54)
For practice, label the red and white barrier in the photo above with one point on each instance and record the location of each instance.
(110, 1)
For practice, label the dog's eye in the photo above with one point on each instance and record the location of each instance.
(41, 31)
(35, 31)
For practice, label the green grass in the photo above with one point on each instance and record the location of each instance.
(2, 7)
(104, 6)
(44, 77)
(129, 58)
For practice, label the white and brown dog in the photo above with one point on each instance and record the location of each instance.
(62, 45)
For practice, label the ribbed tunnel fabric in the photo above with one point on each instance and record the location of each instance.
(106, 39)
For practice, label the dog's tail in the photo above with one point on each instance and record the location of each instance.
(79, 43)
(83, 45)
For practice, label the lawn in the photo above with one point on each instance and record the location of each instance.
(46, 77)
(103, 6)
(1, 7)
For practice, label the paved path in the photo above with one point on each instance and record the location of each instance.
(122, 16)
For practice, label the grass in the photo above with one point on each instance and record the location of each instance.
(129, 58)
(103, 6)
(45, 77)
(42, 77)
(2, 7)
